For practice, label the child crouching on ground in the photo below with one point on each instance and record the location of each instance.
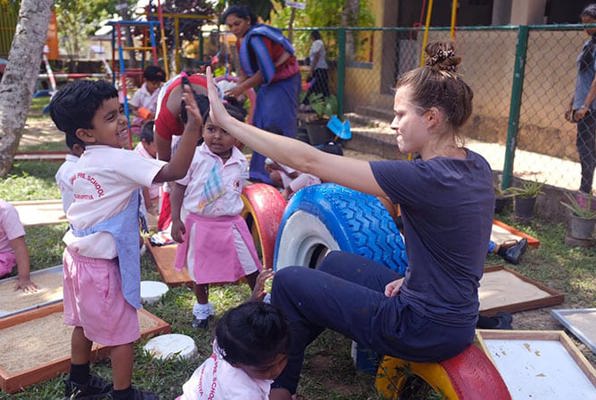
(13, 249)
(249, 351)
(215, 243)
(292, 180)
(102, 260)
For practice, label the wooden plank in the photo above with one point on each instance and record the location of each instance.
(539, 364)
(164, 257)
(12, 382)
(581, 322)
(40, 212)
(548, 296)
(49, 283)
(532, 241)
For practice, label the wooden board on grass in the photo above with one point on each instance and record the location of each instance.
(35, 345)
(581, 322)
(503, 289)
(164, 257)
(539, 364)
(49, 282)
(40, 212)
(501, 233)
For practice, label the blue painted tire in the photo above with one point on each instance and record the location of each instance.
(328, 217)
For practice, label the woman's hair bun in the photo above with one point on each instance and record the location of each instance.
(441, 56)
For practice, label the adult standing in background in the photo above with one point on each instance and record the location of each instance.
(318, 67)
(266, 60)
(584, 107)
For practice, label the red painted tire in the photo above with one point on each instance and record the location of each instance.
(470, 375)
(263, 208)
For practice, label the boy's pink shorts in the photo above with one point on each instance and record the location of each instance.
(8, 260)
(93, 300)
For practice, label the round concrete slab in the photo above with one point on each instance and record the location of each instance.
(171, 345)
(152, 291)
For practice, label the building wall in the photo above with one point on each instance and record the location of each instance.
(488, 59)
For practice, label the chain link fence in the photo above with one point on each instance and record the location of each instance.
(523, 79)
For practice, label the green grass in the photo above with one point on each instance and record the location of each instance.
(328, 372)
(37, 106)
(30, 180)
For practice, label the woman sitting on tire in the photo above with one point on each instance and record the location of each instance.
(447, 202)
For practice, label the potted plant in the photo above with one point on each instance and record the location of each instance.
(582, 218)
(525, 198)
(502, 198)
(324, 108)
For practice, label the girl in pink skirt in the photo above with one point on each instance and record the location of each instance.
(13, 250)
(215, 243)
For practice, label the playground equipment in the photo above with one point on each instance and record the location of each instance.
(328, 217)
(117, 38)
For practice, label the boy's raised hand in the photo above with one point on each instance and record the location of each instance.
(192, 109)
(217, 113)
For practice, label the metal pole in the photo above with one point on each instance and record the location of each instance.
(515, 105)
(429, 13)
(341, 70)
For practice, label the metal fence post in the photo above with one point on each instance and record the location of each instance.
(515, 105)
(341, 70)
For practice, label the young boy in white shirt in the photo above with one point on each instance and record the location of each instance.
(102, 259)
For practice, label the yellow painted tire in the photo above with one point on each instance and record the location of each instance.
(468, 376)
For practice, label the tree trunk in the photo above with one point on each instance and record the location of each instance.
(349, 17)
(18, 82)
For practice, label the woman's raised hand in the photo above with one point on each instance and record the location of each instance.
(217, 113)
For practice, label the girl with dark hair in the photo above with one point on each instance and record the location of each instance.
(250, 350)
(447, 201)
(216, 245)
(267, 60)
(584, 106)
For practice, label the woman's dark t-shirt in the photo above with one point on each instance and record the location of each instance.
(447, 208)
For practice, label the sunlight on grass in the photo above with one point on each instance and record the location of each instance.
(30, 180)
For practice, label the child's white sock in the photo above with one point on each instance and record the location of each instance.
(202, 311)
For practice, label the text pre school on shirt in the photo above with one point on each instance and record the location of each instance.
(447, 204)
(102, 255)
(215, 243)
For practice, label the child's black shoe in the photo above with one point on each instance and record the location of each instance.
(95, 388)
(200, 323)
(513, 254)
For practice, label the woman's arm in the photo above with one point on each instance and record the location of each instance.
(585, 108)
(245, 85)
(24, 282)
(353, 173)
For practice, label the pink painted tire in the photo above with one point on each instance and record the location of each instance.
(263, 209)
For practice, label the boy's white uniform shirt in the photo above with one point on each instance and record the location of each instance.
(154, 188)
(64, 179)
(233, 175)
(104, 182)
(142, 98)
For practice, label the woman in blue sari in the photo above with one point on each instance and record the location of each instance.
(267, 60)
